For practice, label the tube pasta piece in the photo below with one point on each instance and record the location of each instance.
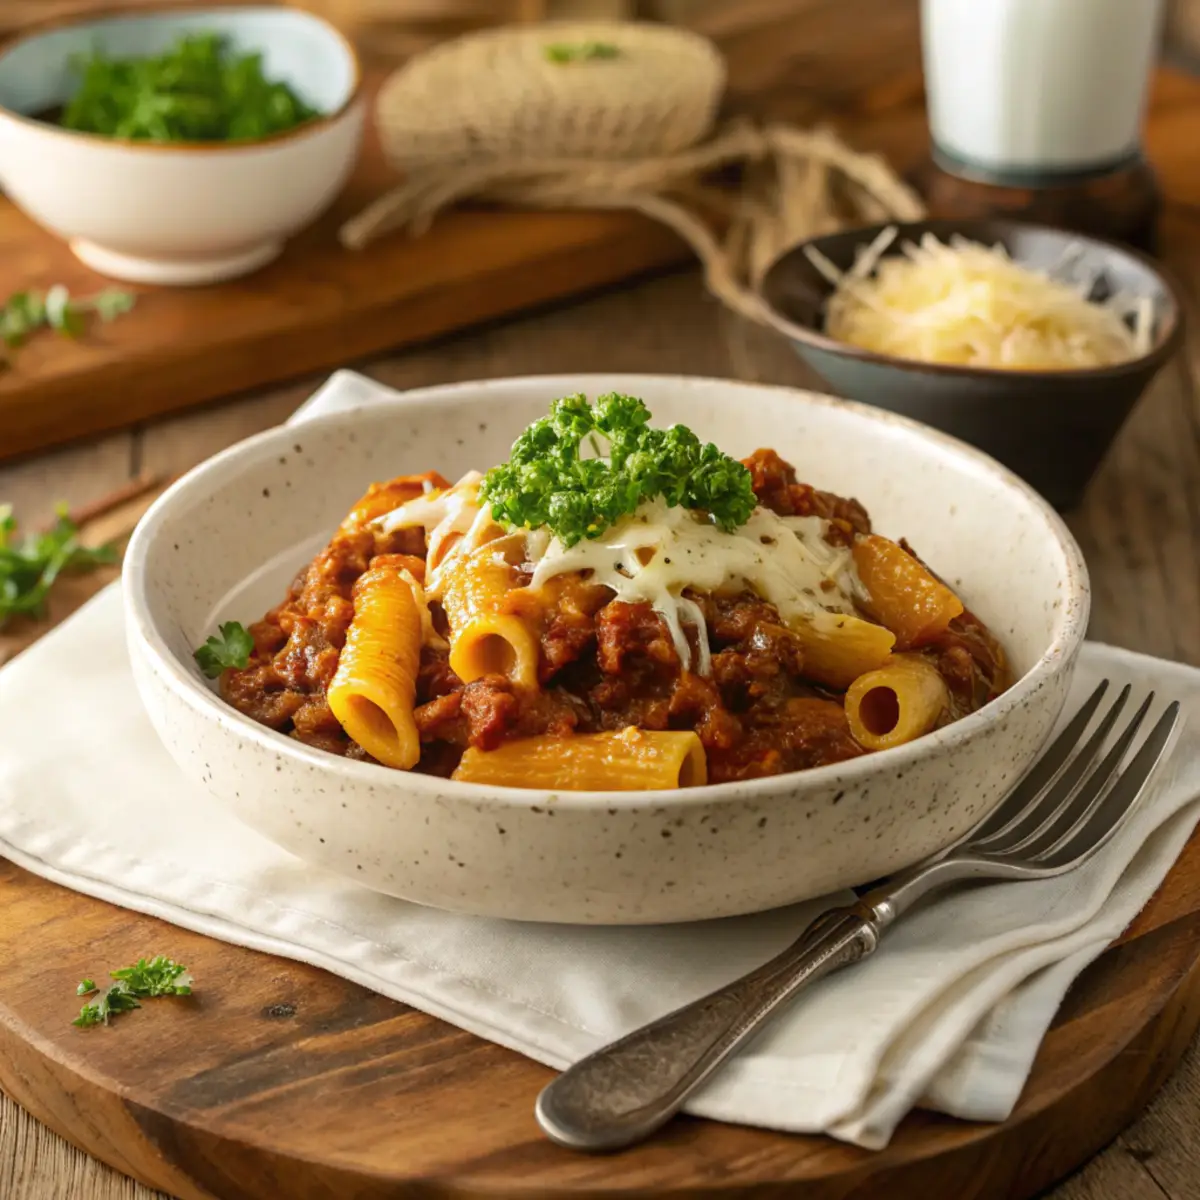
(630, 760)
(903, 700)
(486, 636)
(838, 648)
(905, 597)
(381, 498)
(373, 689)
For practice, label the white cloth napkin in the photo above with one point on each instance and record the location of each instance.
(949, 1012)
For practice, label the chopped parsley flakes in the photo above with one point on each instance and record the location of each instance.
(146, 979)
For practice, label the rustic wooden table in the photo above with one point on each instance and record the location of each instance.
(1139, 527)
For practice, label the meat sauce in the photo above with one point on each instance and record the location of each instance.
(604, 664)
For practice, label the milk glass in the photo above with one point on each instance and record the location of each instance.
(1038, 87)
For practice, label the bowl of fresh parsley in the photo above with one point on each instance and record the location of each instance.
(179, 148)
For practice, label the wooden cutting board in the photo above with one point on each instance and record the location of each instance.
(318, 306)
(278, 1081)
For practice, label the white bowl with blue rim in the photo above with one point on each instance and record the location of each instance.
(179, 212)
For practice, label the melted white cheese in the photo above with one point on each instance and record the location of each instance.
(454, 521)
(658, 551)
(651, 557)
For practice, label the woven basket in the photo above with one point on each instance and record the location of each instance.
(497, 96)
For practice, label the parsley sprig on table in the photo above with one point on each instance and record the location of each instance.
(29, 566)
(230, 647)
(24, 313)
(147, 978)
(199, 90)
(546, 483)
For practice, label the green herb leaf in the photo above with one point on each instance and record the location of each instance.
(158, 976)
(109, 304)
(116, 1000)
(199, 90)
(570, 52)
(231, 648)
(146, 979)
(61, 315)
(546, 484)
(24, 313)
(29, 567)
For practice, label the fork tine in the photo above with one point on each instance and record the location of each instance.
(1043, 772)
(1080, 802)
(1122, 797)
(1043, 808)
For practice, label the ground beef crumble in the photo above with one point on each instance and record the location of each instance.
(604, 663)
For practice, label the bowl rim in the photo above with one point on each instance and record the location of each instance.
(183, 680)
(1165, 345)
(128, 12)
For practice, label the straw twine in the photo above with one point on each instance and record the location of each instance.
(491, 117)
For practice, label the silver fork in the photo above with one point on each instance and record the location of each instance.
(1057, 817)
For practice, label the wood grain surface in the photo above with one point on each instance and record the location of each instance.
(284, 1080)
(1140, 529)
(317, 306)
(320, 306)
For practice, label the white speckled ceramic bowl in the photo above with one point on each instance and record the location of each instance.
(184, 212)
(225, 540)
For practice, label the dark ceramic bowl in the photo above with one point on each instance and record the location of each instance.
(1050, 427)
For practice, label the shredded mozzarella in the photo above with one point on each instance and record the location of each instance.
(454, 521)
(969, 304)
(653, 555)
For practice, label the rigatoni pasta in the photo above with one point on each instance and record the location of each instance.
(901, 701)
(838, 648)
(627, 760)
(486, 636)
(901, 593)
(374, 687)
(616, 608)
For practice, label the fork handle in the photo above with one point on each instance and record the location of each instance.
(625, 1091)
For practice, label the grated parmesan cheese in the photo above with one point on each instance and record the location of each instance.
(969, 304)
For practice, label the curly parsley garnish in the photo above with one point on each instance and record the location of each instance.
(29, 566)
(146, 979)
(569, 52)
(231, 648)
(546, 483)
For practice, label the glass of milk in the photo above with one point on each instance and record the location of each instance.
(1038, 88)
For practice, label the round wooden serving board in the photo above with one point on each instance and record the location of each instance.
(277, 1081)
